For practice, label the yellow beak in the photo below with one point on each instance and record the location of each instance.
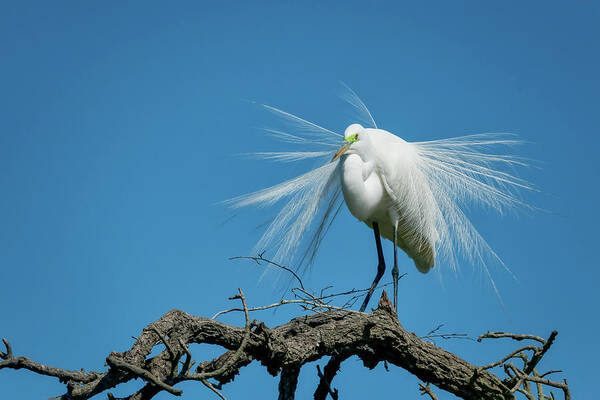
(341, 151)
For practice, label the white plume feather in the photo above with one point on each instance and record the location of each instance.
(436, 182)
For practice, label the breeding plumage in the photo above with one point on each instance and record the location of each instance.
(412, 193)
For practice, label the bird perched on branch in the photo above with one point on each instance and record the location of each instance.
(412, 193)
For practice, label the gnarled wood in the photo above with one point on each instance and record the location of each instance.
(374, 338)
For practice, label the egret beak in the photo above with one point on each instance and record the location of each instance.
(341, 151)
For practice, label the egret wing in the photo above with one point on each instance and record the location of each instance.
(432, 184)
(413, 208)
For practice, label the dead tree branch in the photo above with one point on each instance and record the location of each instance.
(426, 390)
(519, 379)
(337, 333)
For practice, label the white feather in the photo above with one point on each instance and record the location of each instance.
(432, 186)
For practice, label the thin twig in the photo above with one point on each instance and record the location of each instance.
(261, 258)
(238, 352)
(188, 358)
(331, 369)
(164, 340)
(432, 334)
(554, 371)
(353, 291)
(284, 302)
(564, 386)
(509, 356)
(539, 386)
(211, 387)
(12, 362)
(527, 393)
(518, 374)
(518, 337)
(282, 349)
(9, 354)
(539, 354)
(426, 389)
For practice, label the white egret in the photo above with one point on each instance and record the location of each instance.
(411, 193)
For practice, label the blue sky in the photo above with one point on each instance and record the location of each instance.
(120, 122)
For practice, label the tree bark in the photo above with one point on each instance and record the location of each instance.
(284, 349)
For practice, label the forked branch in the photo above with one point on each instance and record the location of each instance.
(373, 338)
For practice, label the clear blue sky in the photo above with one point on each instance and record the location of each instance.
(119, 122)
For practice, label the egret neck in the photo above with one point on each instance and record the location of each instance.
(362, 188)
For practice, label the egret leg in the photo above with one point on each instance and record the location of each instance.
(380, 267)
(395, 271)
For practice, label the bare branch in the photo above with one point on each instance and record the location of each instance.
(432, 334)
(509, 356)
(336, 333)
(164, 340)
(519, 379)
(549, 372)
(188, 359)
(323, 380)
(288, 382)
(330, 370)
(238, 353)
(312, 306)
(527, 393)
(519, 337)
(214, 389)
(260, 259)
(426, 389)
(9, 354)
(560, 385)
(539, 354)
(12, 362)
(142, 373)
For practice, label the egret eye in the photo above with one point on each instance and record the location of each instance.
(352, 138)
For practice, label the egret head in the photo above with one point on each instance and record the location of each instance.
(352, 138)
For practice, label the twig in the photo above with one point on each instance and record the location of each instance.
(304, 298)
(238, 352)
(284, 302)
(12, 362)
(426, 389)
(188, 358)
(527, 394)
(519, 376)
(333, 393)
(509, 356)
(114, 362)
(434, 330)
(373, 338)
(550, 372)
(214, 389)
(539, 386)
(431, 335)
(321, 295)
(537, 356)
(564, 386)
(164, 340)
(523, 377)
(329, 372)
(353, 291)
(9, 354)
(261, 258)
(519, 337)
